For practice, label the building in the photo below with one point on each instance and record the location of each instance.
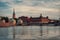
(19, 22)
(4, 22)
(40, 19)
(23, 20)
(14, 16)
(34, 19)
(44, 20)
(12, 22)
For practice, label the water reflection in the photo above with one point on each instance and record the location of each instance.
(29, 32)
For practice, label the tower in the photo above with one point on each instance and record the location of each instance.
(14, 16)
(40, 15)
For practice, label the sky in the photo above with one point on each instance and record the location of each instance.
(32, 8)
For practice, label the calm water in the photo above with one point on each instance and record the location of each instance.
(29, 32)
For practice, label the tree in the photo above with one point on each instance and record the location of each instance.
(5, 18)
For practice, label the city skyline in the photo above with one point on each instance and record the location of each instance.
(34, 8)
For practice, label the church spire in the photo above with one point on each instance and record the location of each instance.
(40, 15)
(14, 13)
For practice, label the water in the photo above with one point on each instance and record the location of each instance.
(29, 32)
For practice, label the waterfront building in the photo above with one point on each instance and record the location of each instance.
(6, 22)
(12, 22)
(40, 19)
(34, 19)
(24, 20)
(19, 22)
(44, 20)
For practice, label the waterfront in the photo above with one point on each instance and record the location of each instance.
(30, 32)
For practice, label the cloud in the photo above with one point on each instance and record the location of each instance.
(23, 8)
(18, 1)
(40, 3)
(30, 7)
(3, 5)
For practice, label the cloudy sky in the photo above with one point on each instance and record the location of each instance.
(33, 8)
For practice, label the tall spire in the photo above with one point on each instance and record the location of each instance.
(14, 13)
(40, 15)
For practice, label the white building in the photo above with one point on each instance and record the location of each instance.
(20, 22)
